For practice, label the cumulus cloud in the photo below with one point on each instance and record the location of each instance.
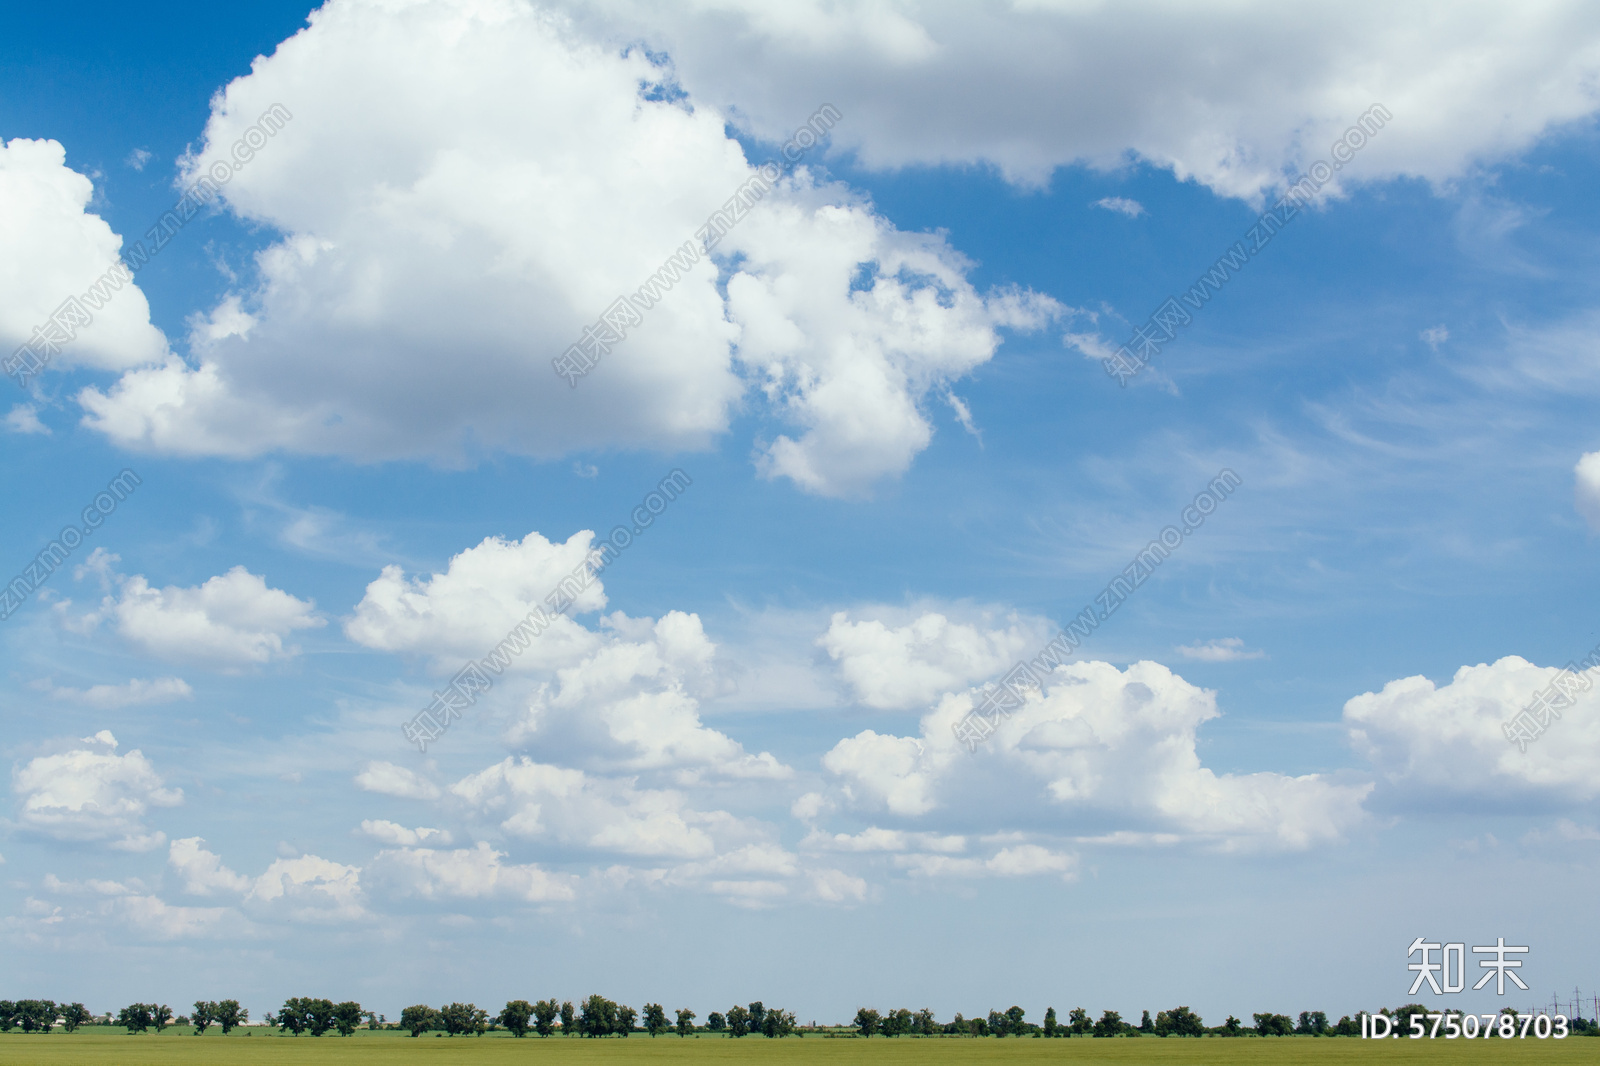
(944, 82)
(393, 833)
(159, 920)
(633, 705)
(1223, 650)
(388, 779)
(627, 695)
(910, 666)
(90, 793)
(537, 801)
(201, 870)
(1021, 860)
(231, 621)
(55, 249)
(304, 888)
(1102, 750)
(309, 888)
(483, 594)
(466, 873)
(131, 693)
(1447, 743)
(24, 418)
(1587, 489)
(487, 182)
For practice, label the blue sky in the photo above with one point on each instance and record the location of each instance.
(1274, 766)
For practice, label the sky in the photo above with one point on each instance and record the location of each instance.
(851, 277)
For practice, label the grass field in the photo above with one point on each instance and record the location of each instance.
(99, 1047)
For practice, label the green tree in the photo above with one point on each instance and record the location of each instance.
(161, 1016)
(293, 1018)
(777, 1022)
(1014, 1021)
(867, 1021)
(544, 1016)
(462, 1019)
(1050, 1021)
(1347, 1026)
(895, 1022)
(136, 1017)
(568, 1019)
(8, 1015)
(1078, 1022)
(1402, 1016)
(74, 1015)
(1312, 1023)
(202, 1017)
(738, 1021)
(626, 1016)
(1179, 1021)
(36, 1015)
(419, 1018)
(655, 1019)
(318, 1014)
(758, 1015)
(1231, 1027)
(599, 1016)
(515, 1017)
(1273, 1024)
(228, 1014)
(347, 1017)
(685, 1021)
(1145, 1024)
(927, 1026)
(1110, 1024)
(716, 1023)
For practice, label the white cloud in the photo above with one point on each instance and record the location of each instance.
(1121, 205)
(1020, 860)
(56, 250)
(201, 870)
(1587, 489)
(161, 921)
(1434, 336)
(940, 81)
(138, 158)
(131, 693)
(1223, 650)
(876, 839)
(627, 696)
(388, 779)
(1435, 743)
(487, 183)
(537, 801)
(633, 705)
(398, 835)
(467, 873)
(1101, 750)
(231, 621)
(93, 794)
(484, 593)
(310, 889)
(300, 888)
(910, 666)
(24, 418)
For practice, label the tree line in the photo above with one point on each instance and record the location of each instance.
(41, 1015)
(1180, 1021)
(598, 1017)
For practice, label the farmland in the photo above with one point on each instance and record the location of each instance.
(261, 1047)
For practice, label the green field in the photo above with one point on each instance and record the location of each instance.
(100, 1047)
